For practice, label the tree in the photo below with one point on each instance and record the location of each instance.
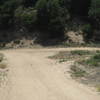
(26, 18)
(29, 3)
(52, 15)
(80, 7)
(7, 9)
(42, 12)
(94, 12)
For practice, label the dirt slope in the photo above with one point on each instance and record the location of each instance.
(33, 76)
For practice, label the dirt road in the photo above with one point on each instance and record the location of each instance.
(32, 76)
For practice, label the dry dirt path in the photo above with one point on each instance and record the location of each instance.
(32, 76)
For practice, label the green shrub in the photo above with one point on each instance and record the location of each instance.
(80, 52)
(87, 28)
(29, 3)
(7, 9)
(93, 61)
(52, 15)
(80, 7)
(26, 17)
(88, 31)
(77, 72)
(94, 12)
(97, 57)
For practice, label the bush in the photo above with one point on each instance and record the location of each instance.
(80, 7)
(93, 61)
(77, 72)
(87, 29)
(29, 3)
(26, 17)
(7, 9)
(94, 12)
(80, 52)
(52, 15)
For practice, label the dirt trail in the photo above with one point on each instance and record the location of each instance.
(33, 76)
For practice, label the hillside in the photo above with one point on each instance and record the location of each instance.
(44, 20)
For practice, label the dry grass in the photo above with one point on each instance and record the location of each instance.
(3, 66)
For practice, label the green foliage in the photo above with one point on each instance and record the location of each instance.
(58, 17)
(80, 7)
(52, 15)
(29, 3)
(80, 52)
(7, 9)
(77, 72)
(26, 17)
(93, 61)
(87, 29)
(94, 11)
(42, 12)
